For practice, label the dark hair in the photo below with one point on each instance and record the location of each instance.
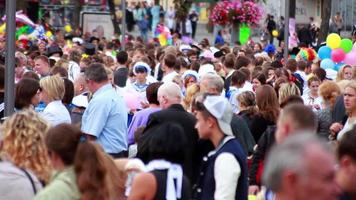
(276, 64)
(229, 60)
(291, 64)
(2, 76)
(267, 102)
(31, 74)
(95, 171)
(64, 145)
(122, 57)
(96, 72)
(292, 99)
(59, 70)
(302, 65)
(168, 142)
(151, 93)
(238, 78)
(170, 60)
(242, 61)
(320, 73)
(43, 58)
(68, 92)
(302, 116)
(75, 56)
(347, 144)
(260, 77)
(25, 90)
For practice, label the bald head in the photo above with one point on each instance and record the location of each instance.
(169, 93)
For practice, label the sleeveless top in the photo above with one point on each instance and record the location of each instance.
(161, 178)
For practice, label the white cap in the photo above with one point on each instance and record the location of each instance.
(190, 73)
(184, 47)
(78, 40)
(142, 64)
(80, 101)
(220, 108)
(205, 69)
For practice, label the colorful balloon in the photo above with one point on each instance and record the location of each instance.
(327, 64)
(324, 52)
(68, 28)
(338, 66)
(275, 33)
(346, 45)
(338, 55)
(244, 34)
(2, 28)
(333, 40)
(350, 58)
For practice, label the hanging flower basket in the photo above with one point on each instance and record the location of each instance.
(236, 12)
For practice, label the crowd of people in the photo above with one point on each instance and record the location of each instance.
(187, 121)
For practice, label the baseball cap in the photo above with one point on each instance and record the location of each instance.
(220, 108)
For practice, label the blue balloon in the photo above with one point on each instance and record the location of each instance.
(338, 66)
(324, 52)
(327, 64)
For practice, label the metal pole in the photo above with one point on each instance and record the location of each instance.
(123, 23)
(10, 57)
(286, 30)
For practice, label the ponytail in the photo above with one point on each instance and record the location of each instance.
(97, 175)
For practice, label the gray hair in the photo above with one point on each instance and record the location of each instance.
(171, 91)
(96, 72)
(289, 156)
(214, 81)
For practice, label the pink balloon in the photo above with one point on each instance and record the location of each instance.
(350, 58)
(132, 100)
(338, 55)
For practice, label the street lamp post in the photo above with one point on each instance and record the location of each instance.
(286, 30)
(10, 57)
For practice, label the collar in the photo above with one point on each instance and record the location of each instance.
(102, 89)
(177, 107)
(222, 143)
(230, 73)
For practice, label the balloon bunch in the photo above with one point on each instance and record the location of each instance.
(337, 52)
(164, 35)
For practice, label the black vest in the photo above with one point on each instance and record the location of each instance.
(205, 187)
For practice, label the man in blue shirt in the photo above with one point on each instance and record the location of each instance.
(105, 119)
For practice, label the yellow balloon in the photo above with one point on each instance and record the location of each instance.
(162, 40)
(333, 41)
(2, 28)
(68, 28)
(251, 197)
(49, 34)
(275, 33)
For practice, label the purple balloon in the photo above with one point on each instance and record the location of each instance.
(338, 55)
(350, 58)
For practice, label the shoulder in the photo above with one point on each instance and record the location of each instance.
(144, 186)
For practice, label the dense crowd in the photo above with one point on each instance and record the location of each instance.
(185, 121)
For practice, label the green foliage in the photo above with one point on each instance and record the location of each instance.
(182, 8)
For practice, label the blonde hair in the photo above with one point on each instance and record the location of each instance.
(342, 84)
(351, 84)
(23, 143)
(286, 90)
(329, 90)
(191, 91)
(340, 73)
(53, 86)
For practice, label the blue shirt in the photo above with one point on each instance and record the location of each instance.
(106, 119)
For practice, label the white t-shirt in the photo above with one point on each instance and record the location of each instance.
(169, 77)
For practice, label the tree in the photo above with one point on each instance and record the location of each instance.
(113, 17)
(325, 16)
(182, 10)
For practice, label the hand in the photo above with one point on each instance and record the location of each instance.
(253, 189)
(335, 128)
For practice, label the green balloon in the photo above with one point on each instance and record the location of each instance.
(22, 30)
(244, 34)
(346, 45)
